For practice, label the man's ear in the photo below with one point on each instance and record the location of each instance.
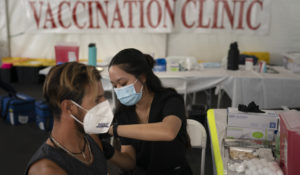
(68, 107)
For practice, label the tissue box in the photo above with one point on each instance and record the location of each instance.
(250, 133)
(267, 120)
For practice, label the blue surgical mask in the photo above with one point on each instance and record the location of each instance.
(127, 94)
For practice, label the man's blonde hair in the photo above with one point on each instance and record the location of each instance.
(68, 81)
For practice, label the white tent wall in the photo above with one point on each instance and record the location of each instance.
(42, 45)
(283, 36)
(4, 50)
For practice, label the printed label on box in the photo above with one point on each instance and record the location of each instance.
(267, 120)
(250, 133)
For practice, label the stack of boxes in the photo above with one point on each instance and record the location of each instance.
(247, 125)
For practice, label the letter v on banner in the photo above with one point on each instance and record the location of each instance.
(154, 16)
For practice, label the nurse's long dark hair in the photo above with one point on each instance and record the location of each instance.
(136, 63)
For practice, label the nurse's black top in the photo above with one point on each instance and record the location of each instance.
(71, 165)
(159, 157)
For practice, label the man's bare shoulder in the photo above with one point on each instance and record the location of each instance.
(45, 167)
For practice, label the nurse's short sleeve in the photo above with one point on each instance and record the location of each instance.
(174, 106)
(124, 119)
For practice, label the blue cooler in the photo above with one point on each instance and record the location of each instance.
(44, 117)
(17, 109)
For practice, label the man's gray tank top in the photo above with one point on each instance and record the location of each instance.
(71, 165)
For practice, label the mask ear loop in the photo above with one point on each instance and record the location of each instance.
(78, 105)
(132, 84)
(73, 115)
(141, 90)
(76, 119)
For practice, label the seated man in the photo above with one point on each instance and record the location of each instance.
(75, 95)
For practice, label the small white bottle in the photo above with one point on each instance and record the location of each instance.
(249, 64)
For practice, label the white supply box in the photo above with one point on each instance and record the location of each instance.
(291, 61)
(250, 133)
(267, 120)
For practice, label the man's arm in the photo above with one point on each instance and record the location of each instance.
(124, 159)
(45, 167)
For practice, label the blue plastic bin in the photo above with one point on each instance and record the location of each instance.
(17, 110)
(44, 117)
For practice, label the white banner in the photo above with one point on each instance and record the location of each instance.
(162, 16)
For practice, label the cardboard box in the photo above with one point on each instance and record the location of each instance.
(250, 133)
(267, 120)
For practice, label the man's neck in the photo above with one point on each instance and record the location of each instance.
(68, 135)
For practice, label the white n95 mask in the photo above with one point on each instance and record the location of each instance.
(98, 119)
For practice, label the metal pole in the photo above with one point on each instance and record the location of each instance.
(7, 28)
(167, 45)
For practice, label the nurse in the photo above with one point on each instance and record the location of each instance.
(150, 119)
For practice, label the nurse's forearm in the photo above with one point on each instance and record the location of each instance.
(166, 130)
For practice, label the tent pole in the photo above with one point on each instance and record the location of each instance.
(167, 45)
(7, 28)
